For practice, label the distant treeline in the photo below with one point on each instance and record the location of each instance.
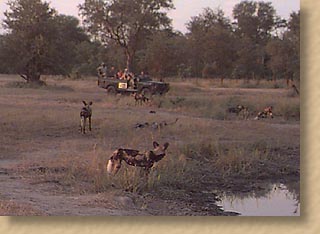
(256, 44)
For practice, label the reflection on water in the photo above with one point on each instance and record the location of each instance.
(280, 200)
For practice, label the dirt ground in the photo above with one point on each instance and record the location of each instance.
(40, 140)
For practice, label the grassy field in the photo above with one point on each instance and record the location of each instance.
(48, 168)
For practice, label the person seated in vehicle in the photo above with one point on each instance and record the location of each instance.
(119, 74)
(143, 76)
(125, 74)
(112, 72)
(131, 80)
(102, 70)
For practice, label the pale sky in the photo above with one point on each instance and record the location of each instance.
(185, 9)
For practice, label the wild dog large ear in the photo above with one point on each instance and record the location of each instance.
(84, 103)
(165, 146)
(90, 103)
(119, 154)
(155, 144)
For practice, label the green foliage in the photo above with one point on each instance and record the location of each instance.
(209, 70)
(138, 34)
(255, 24)
(164, 53)
(211, 42)
(292, 37)
(30, 25)
(126, 22)
(39, 41)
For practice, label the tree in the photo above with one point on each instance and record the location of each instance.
(255, 23)
(127, 22)
(284, 51)
(280, 55)
(30, 29)
(90, 53)
(293, 38)
(4, 66)
(62, 50)
(212, 43)
(163, 53)
(39, 40)
(255, 20)
(249, 62)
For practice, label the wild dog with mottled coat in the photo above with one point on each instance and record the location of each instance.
(136, 158)
(140, 98)
(240, 110)
(244, 113)
(85, 113)
(236, 109)
(265, 113)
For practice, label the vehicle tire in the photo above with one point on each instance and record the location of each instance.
(146, 92)
(111, 90)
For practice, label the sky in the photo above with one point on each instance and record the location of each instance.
(184, 9)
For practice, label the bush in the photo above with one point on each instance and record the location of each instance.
(209, 70)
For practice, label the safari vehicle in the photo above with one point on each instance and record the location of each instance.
(145, 86)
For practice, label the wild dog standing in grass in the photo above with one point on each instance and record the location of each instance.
(244, 113)
(140, 98)
(236, 109)
(85, 113)
(265, 113)
(240, 110)
(136, 158)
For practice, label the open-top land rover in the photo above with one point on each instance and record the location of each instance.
(146, 86)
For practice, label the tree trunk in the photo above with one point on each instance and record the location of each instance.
(35, 79)
(33, 71)
(253, 76)
(33, 76)
(129, 61)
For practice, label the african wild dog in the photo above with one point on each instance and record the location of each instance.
(136, 158)
(140, 98)
(265, 113)
(236, 109)
(160, 125)
(155, 125)
(240, 110)
(244, 113)
(85, 113)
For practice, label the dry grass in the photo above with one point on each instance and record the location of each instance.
(197, 83)
(206, 151)
(211, 102)
(10, 208)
